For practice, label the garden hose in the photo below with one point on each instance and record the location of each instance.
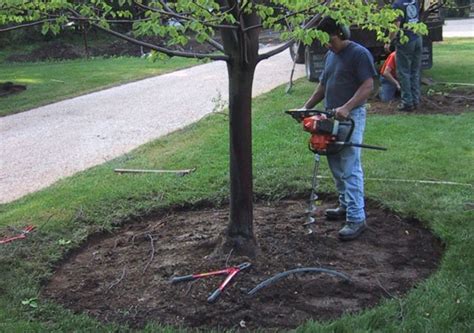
(295, 271)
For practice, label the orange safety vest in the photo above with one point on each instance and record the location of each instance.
(390, 61)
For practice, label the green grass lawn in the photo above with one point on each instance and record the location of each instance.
(52, 81)
(435, 147)
(453, 61)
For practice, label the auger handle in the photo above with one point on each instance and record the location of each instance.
(299, 114)
(183, 278)
(214, 296)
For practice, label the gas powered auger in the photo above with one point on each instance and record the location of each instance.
(328, 136)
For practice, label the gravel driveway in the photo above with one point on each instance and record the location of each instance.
(43, 145)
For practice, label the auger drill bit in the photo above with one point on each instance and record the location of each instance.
(310, 222)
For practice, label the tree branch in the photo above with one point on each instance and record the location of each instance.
(288, 43)
(170, 11)
(165, 6)
(186, 18)
(162, 49)
(275, 51)
(216, 44)
(242, 9)
(108, 21)
(305, 11)
(202, 7)
(25, 25)
(55, 17)
(157, 48)
(233, 9)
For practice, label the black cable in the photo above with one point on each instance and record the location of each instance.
(294, 271)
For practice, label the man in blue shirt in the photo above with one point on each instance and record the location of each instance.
(345, 84)
(408, 55)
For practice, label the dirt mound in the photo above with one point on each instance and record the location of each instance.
(124, 277)
(56, 50)
(8, 88)
(453, 101)
(59, 50)
(116, 48)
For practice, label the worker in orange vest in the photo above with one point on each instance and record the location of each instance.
(389, 85)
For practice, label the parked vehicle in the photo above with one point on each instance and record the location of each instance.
(313, 55)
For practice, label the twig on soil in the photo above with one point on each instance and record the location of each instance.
(394, 297)
(457, 101)
(433, 104)
(228, 257)
(383, 288)
(116, 282)
(456, 84)
(133, 311)
(460, 97)
(48, 220)
(116, 243)
(79, 215)
(158, 225)
(139, 234)
(189, 288)
(149, 229)
(152, 256)
(135, 236)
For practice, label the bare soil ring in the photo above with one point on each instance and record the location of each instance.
(124, 277)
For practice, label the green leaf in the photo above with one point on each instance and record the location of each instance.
(45, 28)
(31, 302)
(202, 37)
(63, 242)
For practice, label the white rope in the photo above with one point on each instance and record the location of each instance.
(433, 182)
(457, 84)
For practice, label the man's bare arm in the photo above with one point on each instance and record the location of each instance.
(315, 98)
(387, 73)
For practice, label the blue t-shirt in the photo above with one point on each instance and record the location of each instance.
(411, 14)
(344, 72)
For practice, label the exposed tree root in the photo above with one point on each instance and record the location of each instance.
(238, 246)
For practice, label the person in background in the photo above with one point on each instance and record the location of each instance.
(345, 84)
(408, 55)
(389, 85)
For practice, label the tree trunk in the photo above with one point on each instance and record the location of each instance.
(239, 234)
(242, 49)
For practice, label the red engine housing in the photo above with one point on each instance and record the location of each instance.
(321, 129)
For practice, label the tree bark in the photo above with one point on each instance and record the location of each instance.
(239, 234)
(242, 50)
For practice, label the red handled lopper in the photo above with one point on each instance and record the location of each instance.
(22, 235)
(230, 272)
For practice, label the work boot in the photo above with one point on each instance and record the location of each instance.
(405, 108)
(352, 230)
(335, 214)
